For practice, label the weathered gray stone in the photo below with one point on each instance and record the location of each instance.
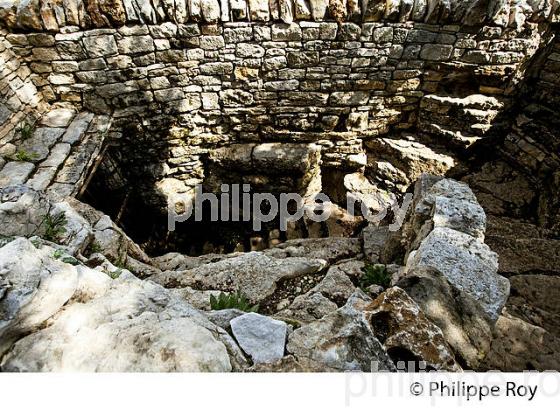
(254, 274)
(467, 263)
(436, 52)
(260, 337)
(136, 44)
(308, 307)
(342, 340)
(259, 10)
(212, 42)
(349, 98)
(15, 173)
(235, 98)
(100, 46)
(245, 50)
(286, 32)
(286, 8)
(114, 315)
(464, 324)
(58, 118)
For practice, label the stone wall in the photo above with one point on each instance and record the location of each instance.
(179, 86)
(52, 15)
(20, 101)
(244, 78)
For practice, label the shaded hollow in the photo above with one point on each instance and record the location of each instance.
(130, 186)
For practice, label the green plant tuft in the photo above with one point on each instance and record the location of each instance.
(94, 247)
(59, 254)
(115, 274)
(55, 225)
(26, 130)
(24, 156)
(122, 264)
(232, 301)
(4, 240)
(375, 275)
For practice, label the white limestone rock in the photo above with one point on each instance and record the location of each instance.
(258, 10)
(465, 325)
(302, 9)
(97, 323)
(15, 172)
(253, 273)
(261, 337)
(318, 9)
(286, 11)
(34, 286)
(211, 10)
(342, 341)
(467, 263)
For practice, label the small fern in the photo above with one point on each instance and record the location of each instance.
(55, 225)
(232, 301)
(375, 275)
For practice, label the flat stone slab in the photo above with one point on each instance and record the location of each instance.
(260, 337)
(58, 118)
(78, 127)
(15, 173)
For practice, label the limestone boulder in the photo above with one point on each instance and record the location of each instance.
(33, 287)
(96, 323)
(468, 264)
(308, 307)
(406, 332)
(255, 274)
(342, 340)
(465, 325)
(261, 337)
(336, 285)
(27, 212)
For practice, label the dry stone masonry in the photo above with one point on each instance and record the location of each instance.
(111, 108)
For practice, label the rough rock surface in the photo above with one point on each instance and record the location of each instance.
(469, 265)
(534, 300)
(261, 337)
(464, 324)
(342, 340)
(400, 324)
(519, 346)
(136, 325)
(254, 274)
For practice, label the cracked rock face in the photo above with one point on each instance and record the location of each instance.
(399, 323)
(468, 264)
(256, 275)
(342, 340)
(464, 324)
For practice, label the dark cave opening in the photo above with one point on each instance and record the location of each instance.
(132, 208)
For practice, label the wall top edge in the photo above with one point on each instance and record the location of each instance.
(55, 15)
